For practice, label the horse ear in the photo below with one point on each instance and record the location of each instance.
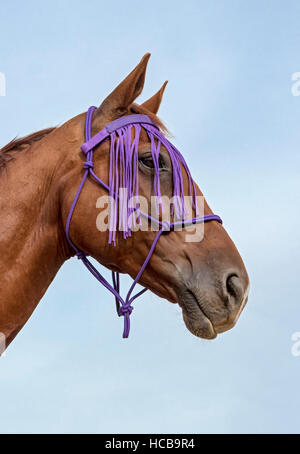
(153, 103)
(127, 91)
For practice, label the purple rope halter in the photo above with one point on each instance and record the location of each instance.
(123, 173)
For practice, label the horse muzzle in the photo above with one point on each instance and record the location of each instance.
(210, 308)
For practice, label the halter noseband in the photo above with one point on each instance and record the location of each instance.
(124, 306)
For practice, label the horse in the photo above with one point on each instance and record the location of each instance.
(40, 174)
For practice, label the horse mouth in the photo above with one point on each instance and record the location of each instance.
(195, 316)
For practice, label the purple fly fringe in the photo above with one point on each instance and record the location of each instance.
(124, 181)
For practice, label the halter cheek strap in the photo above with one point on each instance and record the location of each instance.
(124, 306)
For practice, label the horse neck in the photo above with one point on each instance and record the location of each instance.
(32, 240)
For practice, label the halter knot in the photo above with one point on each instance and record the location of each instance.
(88, 165)
(125, 310)
(80, 255)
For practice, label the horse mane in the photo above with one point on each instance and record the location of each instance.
(22, 143)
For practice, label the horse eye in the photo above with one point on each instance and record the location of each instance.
(148, 162)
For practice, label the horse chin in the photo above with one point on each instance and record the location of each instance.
(196, 321)
(203, 329)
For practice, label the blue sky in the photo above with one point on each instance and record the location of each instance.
(230, 107)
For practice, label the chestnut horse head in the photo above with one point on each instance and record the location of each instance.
(206, 278)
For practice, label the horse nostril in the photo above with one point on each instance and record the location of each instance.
(234, 287)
